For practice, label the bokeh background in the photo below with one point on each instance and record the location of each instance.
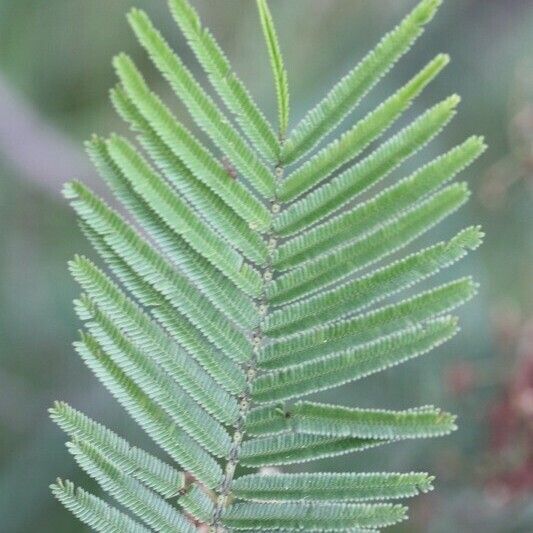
(54, 76)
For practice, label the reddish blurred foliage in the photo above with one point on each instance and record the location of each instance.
(511, 425)
(460, 378)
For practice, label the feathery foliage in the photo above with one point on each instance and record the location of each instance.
(278, 69)
(233, 291)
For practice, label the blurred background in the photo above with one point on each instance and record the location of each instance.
(54, 77)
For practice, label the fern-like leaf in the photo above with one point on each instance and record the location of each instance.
(149, 507)
(291, 448)
(278, 69)
(336, 421)
(229, 291)
(347, 93)
(132, 461)
(200, 105)
(93, 511)
(331, 487)
(186, 147)
(224, 80)
(352, 364)
(312, 517)
(356, 139)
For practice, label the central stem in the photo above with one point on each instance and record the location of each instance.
(224, 491)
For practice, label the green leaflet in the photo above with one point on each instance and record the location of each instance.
(224, 371)
(351, 143)
(225, 81)
(145, 261)
(312, 516)
(159, 386)
(198, 504)
(131, 461)
(144, 503)
(238, 290)
(383, 206)
(201, 107)
(93, 511)
(268, 420)
(290, 448)
(189, 455)
(283, 530)
(142, 331)
(352, 364)
(337, 192)
(374, 287)
(232, 228)
(339, 335)
(175, 361)
(346, 94)
(331, 487)
(333, 420)
(349, 257)
(337, 421)
(278, 69)
(220, 291)
(177, 215)
(188, 149)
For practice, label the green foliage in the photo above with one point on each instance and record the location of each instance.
(356, 139)
(233, 290)
(278, 69)
(330, 487)
(312, 517)
(93, 511)
(348, 92)
(337, 421)
(225, 82)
